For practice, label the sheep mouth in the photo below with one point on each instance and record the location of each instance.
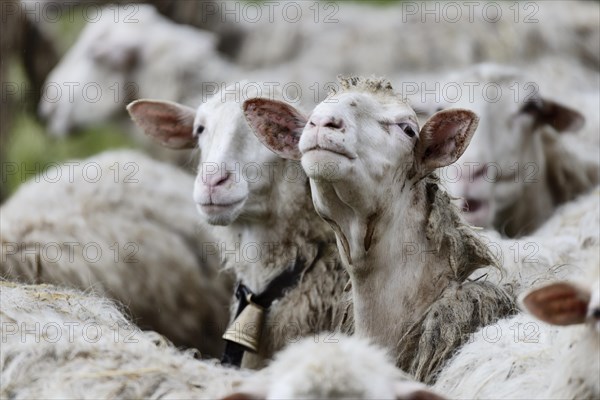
(330, 150)
(220, 206)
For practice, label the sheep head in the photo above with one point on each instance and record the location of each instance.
(363, 139)
(506, 157)
(344, 367)
(237, 176)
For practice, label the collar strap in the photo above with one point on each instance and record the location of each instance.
(275, 290)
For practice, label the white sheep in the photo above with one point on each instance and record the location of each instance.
(122, 225)
(268, 227)
(521, 357)
(59, 343)
(113, 63)
(518, 168)
(405, 246)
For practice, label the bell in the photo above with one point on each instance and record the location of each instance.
(247, 327)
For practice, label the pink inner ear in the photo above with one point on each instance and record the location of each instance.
(447, 141)
(276, 124)
(445, 136)
(169, 123)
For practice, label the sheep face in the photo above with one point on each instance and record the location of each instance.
(237, 175)
(358, 143)
(89, 84)
(340, 143)
(506, 156)
(235, 172)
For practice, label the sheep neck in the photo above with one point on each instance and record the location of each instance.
(260, 249)
(395, 271)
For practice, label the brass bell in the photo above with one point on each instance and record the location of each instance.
(247, 327)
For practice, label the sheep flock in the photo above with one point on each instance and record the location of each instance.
(318, 199)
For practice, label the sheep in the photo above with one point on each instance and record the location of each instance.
(120, 62)
(405, 246)
(518, 168)
(260, 206)
(113, 63)
(525, 357)
(122, 225)
(108, 57)
(61, 343)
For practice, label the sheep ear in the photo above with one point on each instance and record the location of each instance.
(560, 303)
(415, 391)
(277, 125)
(558, 116)
(170, 123)
(444, 138)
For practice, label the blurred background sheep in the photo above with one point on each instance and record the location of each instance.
(194, 47)
(68, 69)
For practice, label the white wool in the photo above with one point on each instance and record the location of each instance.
(60, 343)
(520, 357)
(557, 250)
(419, 36)
(339, 366)
(122, 225)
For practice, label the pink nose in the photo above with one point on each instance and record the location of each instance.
(326, 121)
(216, 179)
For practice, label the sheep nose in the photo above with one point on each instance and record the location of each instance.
(216, 179)
(326, 121)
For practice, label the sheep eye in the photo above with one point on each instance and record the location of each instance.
(199, 130)
(407, 128)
